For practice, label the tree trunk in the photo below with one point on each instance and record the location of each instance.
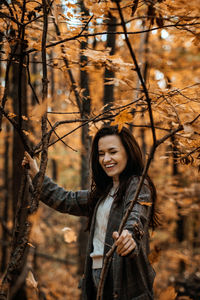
(18, 93)
(18, 148)
(85, 141)
(34, 83)
(54, 170)
(6, 200)
(4, 217)
(174, 157)
(108, 96)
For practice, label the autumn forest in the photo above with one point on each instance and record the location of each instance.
(66, 68)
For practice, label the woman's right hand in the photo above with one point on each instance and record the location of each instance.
(33, 167)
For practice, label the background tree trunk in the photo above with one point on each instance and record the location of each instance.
(17, 171)
(5, 235)
(34, 72)
(108, 96)
(85, 141)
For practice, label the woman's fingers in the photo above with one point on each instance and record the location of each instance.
(128, 248)
(25, 159)
(115, 235)
(125, 242)
(33, 167)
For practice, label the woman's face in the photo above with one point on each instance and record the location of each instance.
(112, 155)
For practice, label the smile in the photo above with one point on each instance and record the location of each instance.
(109, 166)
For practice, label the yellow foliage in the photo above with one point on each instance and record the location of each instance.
(122, 119)
(12, 115)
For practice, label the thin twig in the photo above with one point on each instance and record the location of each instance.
(63, 113)
(21, 36)
(194, 119)
(59, 137)
(100, 117)
(190, 153)
(4, 15)
(148, 100)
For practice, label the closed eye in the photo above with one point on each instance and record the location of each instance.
(101, 154)
(113, 152)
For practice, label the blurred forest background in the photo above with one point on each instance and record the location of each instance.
(65, 68)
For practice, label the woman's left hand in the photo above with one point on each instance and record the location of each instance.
(125, 242)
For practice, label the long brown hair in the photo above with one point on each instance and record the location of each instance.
(101, 183)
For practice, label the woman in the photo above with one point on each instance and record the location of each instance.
(116, 163)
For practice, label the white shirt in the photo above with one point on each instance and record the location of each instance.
(101, 222)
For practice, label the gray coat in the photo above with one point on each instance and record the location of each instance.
(130, 277)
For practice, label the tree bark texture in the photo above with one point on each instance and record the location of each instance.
(85, 142)
(108, 96)
(19, 98)
(4, 248)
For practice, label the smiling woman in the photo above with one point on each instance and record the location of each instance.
(112, 157)
(116, 163)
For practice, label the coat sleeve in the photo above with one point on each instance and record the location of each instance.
(74, 203)
(138, 220)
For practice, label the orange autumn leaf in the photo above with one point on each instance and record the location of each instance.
(24, 118)
(122, 119)
(12, 115)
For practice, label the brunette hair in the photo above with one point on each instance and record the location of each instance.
(101, 183)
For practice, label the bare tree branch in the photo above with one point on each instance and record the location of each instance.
(100, 117)
(60, 138)
(138, 72)
(4, 15)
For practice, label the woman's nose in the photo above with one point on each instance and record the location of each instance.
(106, 157)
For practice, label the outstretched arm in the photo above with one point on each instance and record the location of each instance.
(56, 197)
